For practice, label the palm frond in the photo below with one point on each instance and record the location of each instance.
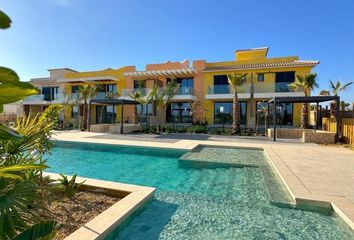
(42, 230)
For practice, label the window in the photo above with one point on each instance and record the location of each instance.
(50, 93)
(260, 77)
(186, 85)
(105, 114)
(75, 89)
(75, 112)
(223, 112)
(147, 111)
(139, 83)
(179, 112)
(221, 84)
(111, 88)
(282, 80)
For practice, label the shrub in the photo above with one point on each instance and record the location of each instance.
(69, 187)
(169, 129)
(216, 131)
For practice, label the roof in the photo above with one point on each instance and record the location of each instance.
(114, 101)
(304, 99)
(295, 63)
(84, 79)
(69, 69)
(161, 73)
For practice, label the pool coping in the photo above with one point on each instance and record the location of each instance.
(133, 198)
(301, 195)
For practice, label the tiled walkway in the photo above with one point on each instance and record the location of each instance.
(310, 171)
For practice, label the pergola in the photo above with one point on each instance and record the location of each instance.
(305, 99)
(113, 102)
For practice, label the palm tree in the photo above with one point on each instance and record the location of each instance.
(136, 96)
(86, 92)
(236, 81)
(306, 84)
(336, 88)
(162, 97)
(344, 106)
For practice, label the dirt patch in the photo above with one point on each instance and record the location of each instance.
(76, 212)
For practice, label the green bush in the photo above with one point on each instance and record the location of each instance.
(69, 187)
(216, 131)
(169, 129)
(197, 129)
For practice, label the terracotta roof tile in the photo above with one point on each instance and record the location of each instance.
(296, 63)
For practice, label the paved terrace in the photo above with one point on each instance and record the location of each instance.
(324, 174)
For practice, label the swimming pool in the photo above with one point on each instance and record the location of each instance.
(203, 194)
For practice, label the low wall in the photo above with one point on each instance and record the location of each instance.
(114, 128)
(100, 128)
(306, 135)
(292, 133)
(127, 128)
(320, 137)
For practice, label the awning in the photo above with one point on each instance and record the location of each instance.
(161, 73)
(303, 99)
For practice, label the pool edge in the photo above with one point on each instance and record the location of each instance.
(104, 223)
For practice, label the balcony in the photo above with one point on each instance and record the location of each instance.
(185, 91)
(44, 99)
(261, 90)
(125, 93)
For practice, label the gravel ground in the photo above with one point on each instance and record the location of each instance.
(74, 213)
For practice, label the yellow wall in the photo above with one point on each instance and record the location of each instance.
(117, 73)
(268, 85)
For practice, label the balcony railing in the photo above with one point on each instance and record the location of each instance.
(246, 88)
(185, 91)
(129, 91)
(44, 98)
(225, 89)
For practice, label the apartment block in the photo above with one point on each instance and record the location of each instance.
(200, 81)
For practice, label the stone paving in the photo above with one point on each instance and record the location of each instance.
(314, 174)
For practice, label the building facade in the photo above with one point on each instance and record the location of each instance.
(203, 85)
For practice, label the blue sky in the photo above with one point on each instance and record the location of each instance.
(92, 34)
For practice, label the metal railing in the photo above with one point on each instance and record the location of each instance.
(129, 91)
(185, 91)
(246, 88)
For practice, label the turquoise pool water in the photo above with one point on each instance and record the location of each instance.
(198, 200)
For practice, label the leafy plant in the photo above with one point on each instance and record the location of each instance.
(21, 153)
(306, 84)
(42, 230)
(69, 187)
(198, 129)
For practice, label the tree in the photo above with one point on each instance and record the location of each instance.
(236, 81)
(162, 97)
(335, 89)
(86, 92)
(138, 96)
(306, 84)
(344, 106)
(338, 87)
